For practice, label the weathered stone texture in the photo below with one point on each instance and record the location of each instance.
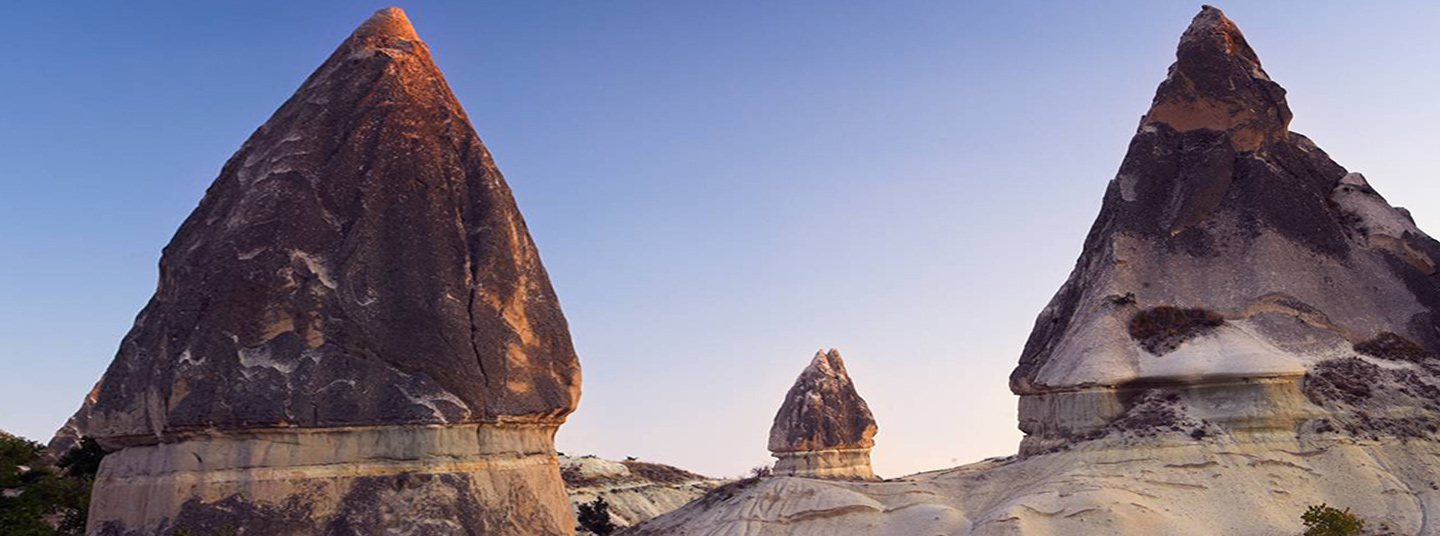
(824, 428)
(635, 490)
(1250, 330)
(1270, 256)
(356, 284)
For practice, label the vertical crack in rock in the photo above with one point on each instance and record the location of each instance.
(335, 264)
(823, 429)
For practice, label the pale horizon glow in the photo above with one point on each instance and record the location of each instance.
(717, 190)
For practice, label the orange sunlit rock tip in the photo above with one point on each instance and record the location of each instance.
(389, 22)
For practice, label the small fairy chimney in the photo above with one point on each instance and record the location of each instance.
(824, 429)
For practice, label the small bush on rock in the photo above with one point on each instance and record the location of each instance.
(82, 459)
(595, 517)
(1323, 520)
(1159, 330)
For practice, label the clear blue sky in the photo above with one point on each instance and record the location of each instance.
(717, 188)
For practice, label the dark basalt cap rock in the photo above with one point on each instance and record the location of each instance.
(360, 260)
(1219, 208)
(1216, 83)
(822, 411)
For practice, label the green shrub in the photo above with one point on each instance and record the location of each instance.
(1323, 520)
(38, 500)
(82, 459)
(16, 456)
(595, 517)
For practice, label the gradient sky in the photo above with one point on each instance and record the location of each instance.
(718, 189)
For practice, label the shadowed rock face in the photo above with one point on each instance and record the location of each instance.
(823, 428)
(359, 263)
(1220, 211)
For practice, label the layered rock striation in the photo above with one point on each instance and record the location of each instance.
(823, 429)
(1250, 330)
(1232, 259)
(352, 333)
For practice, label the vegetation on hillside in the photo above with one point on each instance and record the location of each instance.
(38, 499)
(1324, 520)
(595, 517)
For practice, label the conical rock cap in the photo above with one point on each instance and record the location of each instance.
(359, 261)
(823, 411)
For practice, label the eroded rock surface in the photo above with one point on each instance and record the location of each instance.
(1194, 489)
(824, 428)
(1250, 330)
(1231, 258)
(352, 333)
(635, 490)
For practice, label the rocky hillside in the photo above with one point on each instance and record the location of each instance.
(1250, 329)
(635, 490)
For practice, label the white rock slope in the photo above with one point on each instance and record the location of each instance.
(1200, 489)
(635, 490)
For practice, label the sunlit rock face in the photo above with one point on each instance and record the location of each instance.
(823, 429)
(1231, 259)
(1250, 330)
(352, 334)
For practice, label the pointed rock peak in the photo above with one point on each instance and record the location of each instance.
(1242, 238)
(1212, 28)
(822, 410)
(1217, 84)
(390, 23)
(824, 429)
(358, 269)
(828, 364)
(364, 224)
